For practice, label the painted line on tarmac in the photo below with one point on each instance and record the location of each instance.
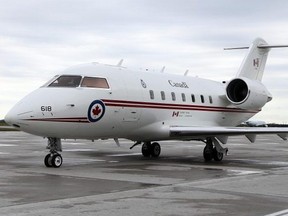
(7, 145)
(280, 213)
(123, 155)
(79, 150)
(277, 163)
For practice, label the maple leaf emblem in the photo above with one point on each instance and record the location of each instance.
(96, 111)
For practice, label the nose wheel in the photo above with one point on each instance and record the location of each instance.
(54, 159)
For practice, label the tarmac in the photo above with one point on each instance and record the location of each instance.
(99, 178)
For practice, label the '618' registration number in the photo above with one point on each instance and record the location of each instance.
(46, 108)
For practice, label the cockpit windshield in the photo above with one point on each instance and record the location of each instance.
(95, 82)
(73, 81)
(66, 81)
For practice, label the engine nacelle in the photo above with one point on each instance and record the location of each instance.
(247, 94)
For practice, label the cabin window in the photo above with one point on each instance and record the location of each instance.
(193, 98)
(151, 92)
(210, 99)
(95, 82)
(66, 81)
(202, 98)
(183, 97)
(162, 95)
(173, 96)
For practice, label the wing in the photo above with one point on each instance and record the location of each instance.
(222, 133)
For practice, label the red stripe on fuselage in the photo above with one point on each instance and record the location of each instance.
(74, 120)
(137, 104)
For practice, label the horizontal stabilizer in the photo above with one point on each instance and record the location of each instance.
(254, 63)
(272, 46)
(235, 48)
(259, 46)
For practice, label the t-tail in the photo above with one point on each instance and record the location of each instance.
(246, 90)
(254, 63)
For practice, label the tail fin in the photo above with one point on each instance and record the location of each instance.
(254, 63)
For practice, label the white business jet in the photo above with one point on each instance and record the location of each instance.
(96, 101)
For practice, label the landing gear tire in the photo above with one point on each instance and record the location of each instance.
(146, 149)
(208, 153)
(218, 156)
(53, 160)
(151, 150)
(48, 160)
(57, 160)
(155, 150)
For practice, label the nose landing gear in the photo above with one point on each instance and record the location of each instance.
(54, 159)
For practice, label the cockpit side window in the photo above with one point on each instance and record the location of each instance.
(95, 82)
(47, 83)
(66, 81)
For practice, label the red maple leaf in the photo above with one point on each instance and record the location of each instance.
(96, 111)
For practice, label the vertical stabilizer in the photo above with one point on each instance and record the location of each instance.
(253, 64)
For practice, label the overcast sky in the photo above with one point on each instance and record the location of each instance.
(39, 38)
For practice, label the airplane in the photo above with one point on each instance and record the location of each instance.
(255, 123)
(97, 101)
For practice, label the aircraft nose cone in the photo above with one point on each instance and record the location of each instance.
(16, 115)
(10, 118)
(20, 114)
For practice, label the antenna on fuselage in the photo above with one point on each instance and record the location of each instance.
(186, 72)
(162, 70)
(120, 63)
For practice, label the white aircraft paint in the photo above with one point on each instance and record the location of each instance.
(96, 101)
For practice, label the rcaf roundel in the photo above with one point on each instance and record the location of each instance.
(96, 111)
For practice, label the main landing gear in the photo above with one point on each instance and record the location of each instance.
(214, 150)
(148, 149)
(54, 159)
(151, 150)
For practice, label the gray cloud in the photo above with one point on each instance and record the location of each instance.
(40, 38)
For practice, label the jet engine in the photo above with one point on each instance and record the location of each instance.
(247, 94)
